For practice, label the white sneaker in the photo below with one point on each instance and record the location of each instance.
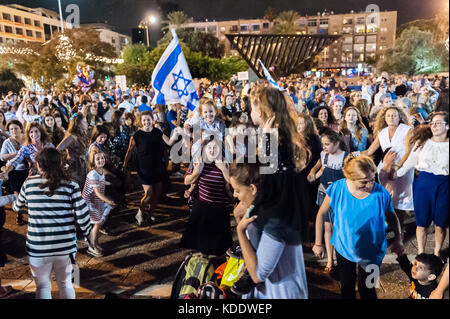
(139, 217)
(94, 252)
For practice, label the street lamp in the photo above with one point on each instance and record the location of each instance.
(60, 16)
(151, 20)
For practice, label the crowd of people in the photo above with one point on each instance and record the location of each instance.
(349, 158)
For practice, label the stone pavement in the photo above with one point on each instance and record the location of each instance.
(141, 262)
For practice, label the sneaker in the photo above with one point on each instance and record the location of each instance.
(139, 218)
(94, 252)
(244, 285)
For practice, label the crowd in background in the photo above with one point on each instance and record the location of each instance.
(386, 135)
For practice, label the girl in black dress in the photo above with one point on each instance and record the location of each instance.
(149, 142)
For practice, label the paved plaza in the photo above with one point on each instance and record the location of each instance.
(141, 262)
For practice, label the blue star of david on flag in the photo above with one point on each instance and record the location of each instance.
(172, 80)
(175, 87)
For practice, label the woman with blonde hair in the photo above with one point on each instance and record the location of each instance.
(359, 209)
(392, 132)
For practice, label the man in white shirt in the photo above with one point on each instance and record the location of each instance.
(126, 103)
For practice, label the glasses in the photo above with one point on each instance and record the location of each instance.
(438, 123)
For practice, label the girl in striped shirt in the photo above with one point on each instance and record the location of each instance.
(208, 229)
(55, 206)
(94, 194)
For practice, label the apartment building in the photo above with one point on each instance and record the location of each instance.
(220, 28)
(364, 35)
(108, 35)
(22, 24)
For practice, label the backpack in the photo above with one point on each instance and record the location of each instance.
(193, 272)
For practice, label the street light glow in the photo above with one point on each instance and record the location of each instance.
(152, 19)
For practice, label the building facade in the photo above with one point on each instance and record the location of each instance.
(21, 24)
(364, 35)
(106, 33)
(220, 28)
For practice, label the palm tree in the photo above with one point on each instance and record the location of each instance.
(285, 22)
(176, 19)
(270, 14)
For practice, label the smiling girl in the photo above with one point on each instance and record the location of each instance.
(149, 142)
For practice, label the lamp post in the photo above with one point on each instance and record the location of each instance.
(60, 16)
(149, 22)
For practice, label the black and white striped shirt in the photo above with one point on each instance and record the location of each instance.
(52, 219)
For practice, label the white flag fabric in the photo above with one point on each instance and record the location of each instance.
(172, 80)
(269, 77)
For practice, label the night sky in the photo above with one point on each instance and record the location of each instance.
(124, 15)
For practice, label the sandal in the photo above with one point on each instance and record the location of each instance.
(329, 269)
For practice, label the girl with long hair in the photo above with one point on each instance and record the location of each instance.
(354, 130)
(277, 221)
(326, 117)
(56, 134)
(391, 131)
(74, 145)
(41, 193)
(149, 142)
(332, 161)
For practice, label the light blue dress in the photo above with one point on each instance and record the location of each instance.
(280, 266)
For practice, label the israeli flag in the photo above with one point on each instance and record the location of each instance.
(172, 80)
(269, 77)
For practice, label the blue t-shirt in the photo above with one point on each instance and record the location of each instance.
(145, 107)
(359, 233)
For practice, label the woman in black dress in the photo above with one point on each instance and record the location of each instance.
(149, 142)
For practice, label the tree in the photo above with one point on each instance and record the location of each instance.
(270, 14)
(206, 43)
(138, 65)
(175, 18)
(9, 82)
(135, 64)
(415, 52)
(285, 22)
(441, 22)
(58, 58)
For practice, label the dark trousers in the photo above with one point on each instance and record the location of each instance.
(348, 275)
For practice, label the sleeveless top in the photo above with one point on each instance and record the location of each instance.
(400, 188)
